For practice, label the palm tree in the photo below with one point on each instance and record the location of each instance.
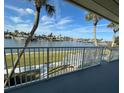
(38, 5)
(96, 18)
(115, 28)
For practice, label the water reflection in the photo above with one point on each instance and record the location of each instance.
(20, 43)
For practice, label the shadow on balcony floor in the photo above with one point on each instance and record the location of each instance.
(98, 79)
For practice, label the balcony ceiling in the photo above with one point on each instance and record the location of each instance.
(108, 9)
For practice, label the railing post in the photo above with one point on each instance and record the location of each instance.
(110, 55)
(47, 63)
(83, 57)
(101, 59)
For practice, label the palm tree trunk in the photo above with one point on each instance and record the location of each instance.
(95, 40)
(113, 40)
(36, 22)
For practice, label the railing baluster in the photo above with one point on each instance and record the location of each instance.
(43, 63)
(53, 60)
(69, 51)
(47, 63)
(101, 57)
(66, 59)
(104, 53)
(39, 63)
(25, 67)
(83, 58)
(20, 77)
(30, 66)
(80, 58)
(63, 63)
(15, 80)
(62, 60)
(76, 58)
(95, 55)
(52, 63)
(34, 60)
(70, 60)
(6, 68)
(110, 55)
(57, 61)
(73, 58)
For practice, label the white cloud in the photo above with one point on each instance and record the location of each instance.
(20, 26)
(50, 20)
(64, 21)
(23, 25)
(30, 11)
(22, 11)
(52, 23)
(16, 19)
(45, 20)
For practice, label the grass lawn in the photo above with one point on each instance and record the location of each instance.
(37, 58)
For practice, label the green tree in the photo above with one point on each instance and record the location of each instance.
(115, 28)
(38, 5)
(90, 16)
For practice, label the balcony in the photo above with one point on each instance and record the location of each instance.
(62, 70)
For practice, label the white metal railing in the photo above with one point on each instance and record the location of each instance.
(39, 63)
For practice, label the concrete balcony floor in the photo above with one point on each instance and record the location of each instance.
(99, 79)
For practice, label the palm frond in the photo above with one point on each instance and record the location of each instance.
(44, 2)
(89, 17)
(111, 25)
(114, 26)
(50, 9)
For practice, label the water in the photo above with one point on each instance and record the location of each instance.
(20, 43)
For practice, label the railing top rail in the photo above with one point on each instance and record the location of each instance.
(55, 47)
(113, 48)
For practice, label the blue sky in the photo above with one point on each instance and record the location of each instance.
(69, 20)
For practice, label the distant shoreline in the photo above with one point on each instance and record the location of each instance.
(20, 43)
